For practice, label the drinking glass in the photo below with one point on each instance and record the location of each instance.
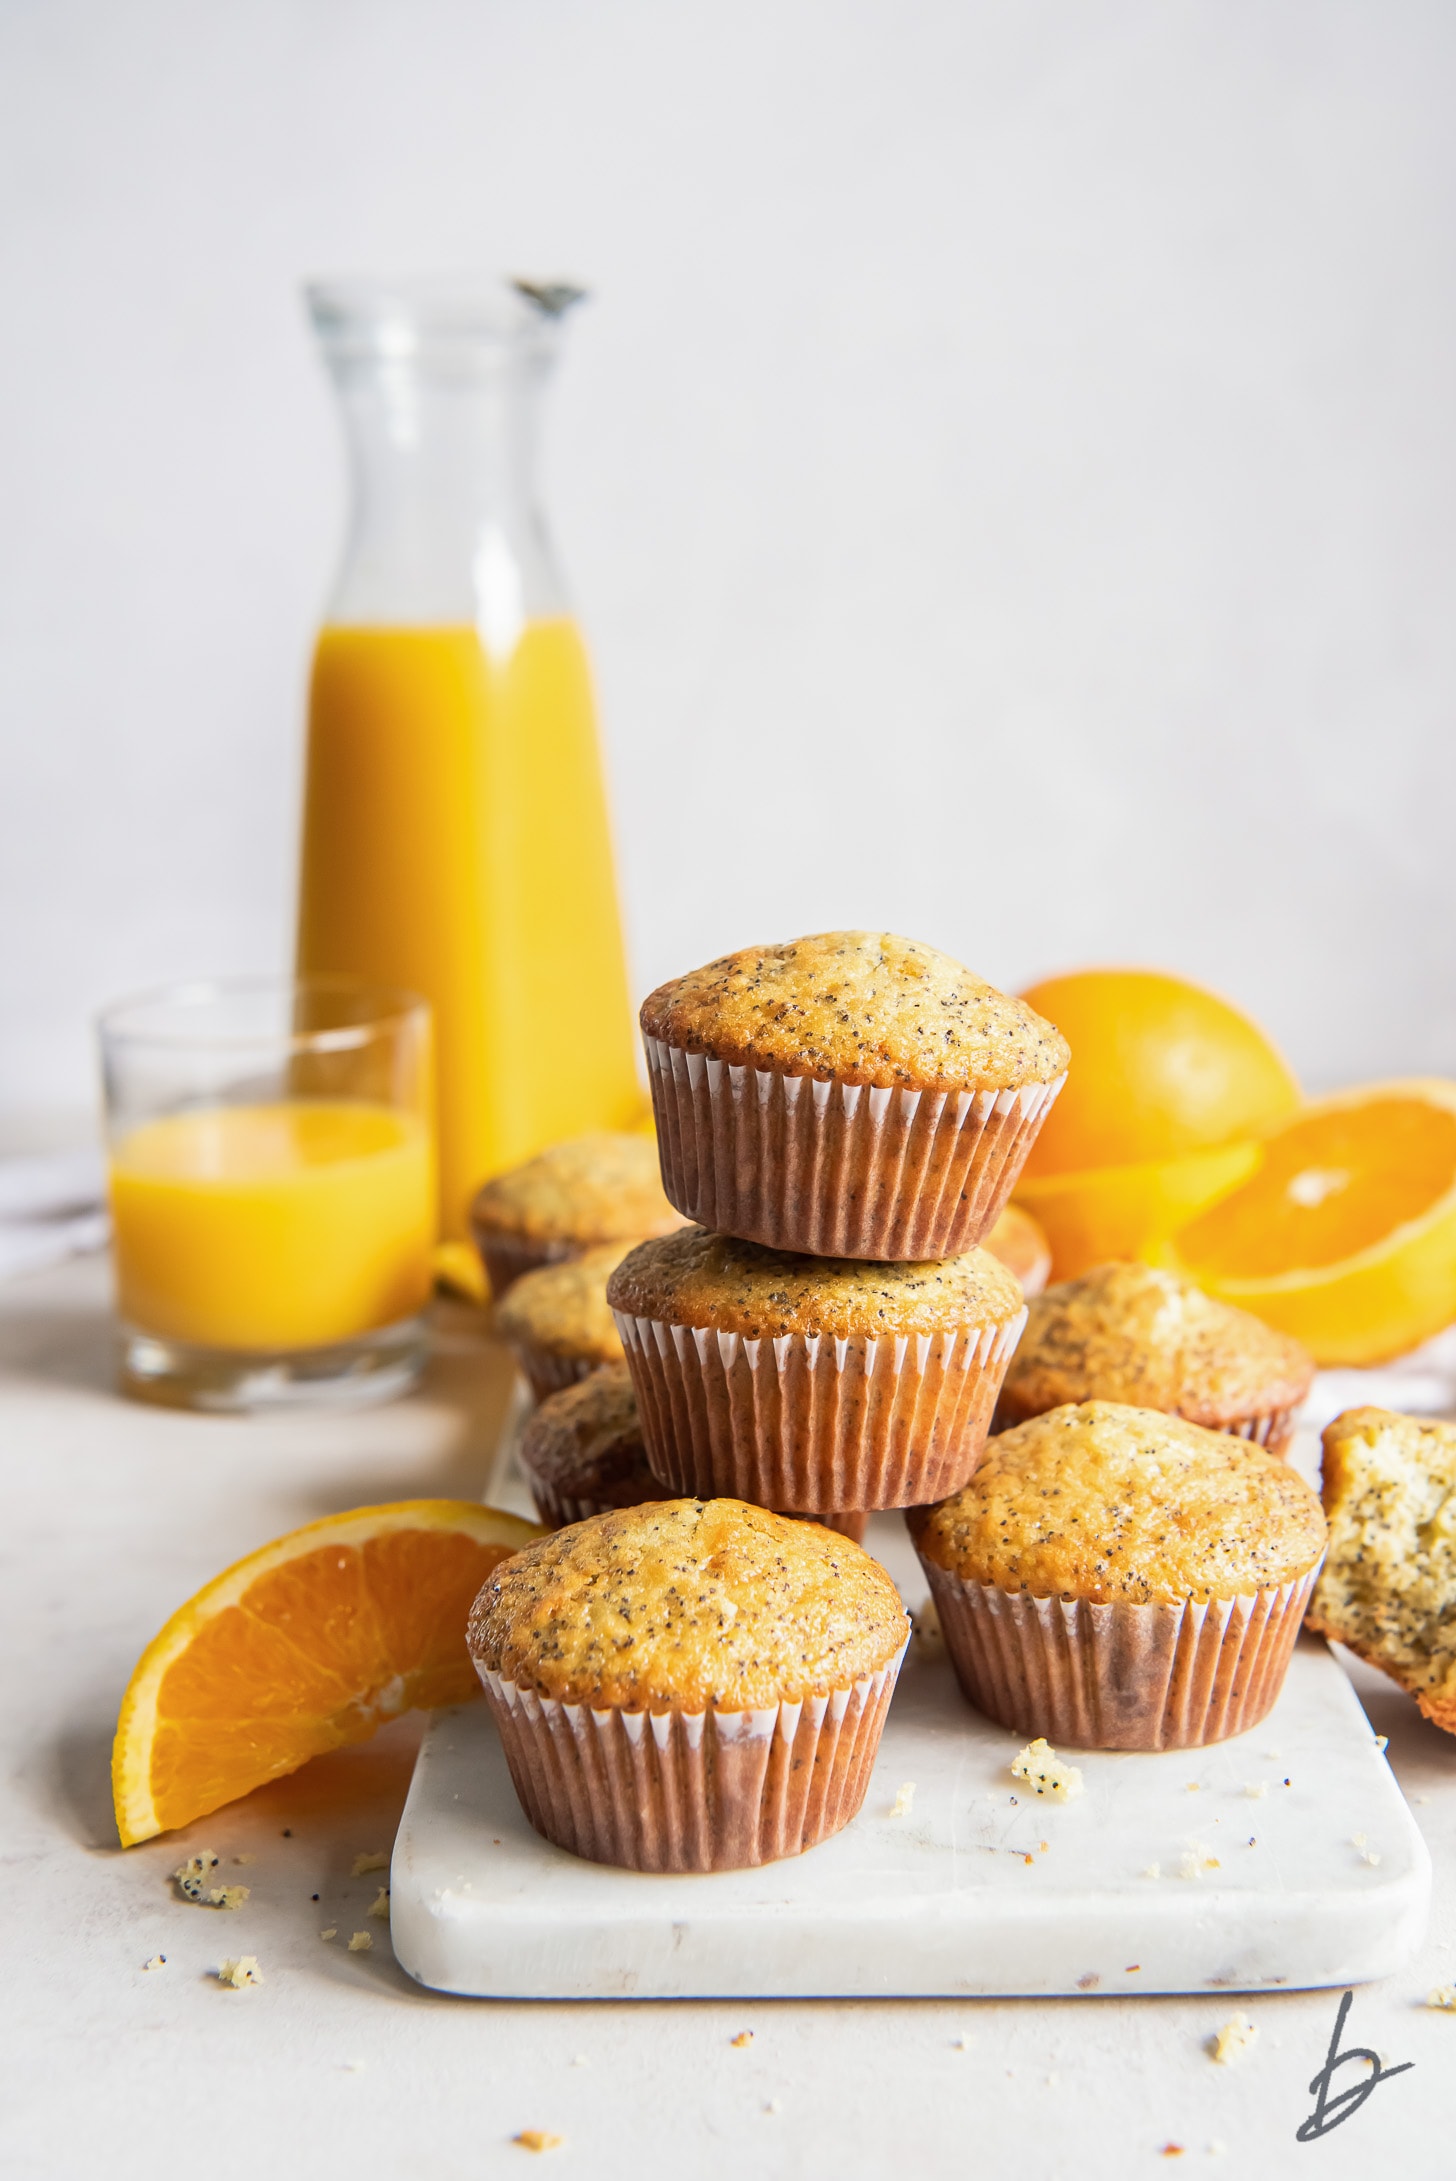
(272, 1182)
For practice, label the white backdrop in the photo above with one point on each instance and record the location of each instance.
(1008, 472)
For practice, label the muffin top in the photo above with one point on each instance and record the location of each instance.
(698, 1278)
(600, 1188)
(1110, 1504)
(684, 1604)
(586, 1443)
(1150, 1339)
(563, 1308)
(860, 1007)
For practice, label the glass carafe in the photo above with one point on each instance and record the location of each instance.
(455, 836)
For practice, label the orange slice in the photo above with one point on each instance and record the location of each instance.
(309, 1643)
(1126, 1211)
(1345, 1232)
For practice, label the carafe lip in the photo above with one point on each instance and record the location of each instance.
(410, 316)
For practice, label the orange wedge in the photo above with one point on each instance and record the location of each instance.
(1125, 1211)
(309, 1643)
(1345, 1232)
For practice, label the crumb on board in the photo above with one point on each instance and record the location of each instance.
(904, 1797)
(158, 1961)
(1193, 1787)
(241, 1859)
(242, 1972)
(192, 1881)
(962, 2044)
(360, 1942)
(1045, 1773)
(1231, 2042)
(1440, 1995)
(377, 1860)
(744, 2037)
(380, 1905)
(1256, 1790)
(1152, 1870)
(926, 1632)
(331, 1933)
(1171, 2150)
(1382, 1743)
(537, 2139)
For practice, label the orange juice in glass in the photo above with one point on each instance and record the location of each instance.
(272, 1183)
(455, 834)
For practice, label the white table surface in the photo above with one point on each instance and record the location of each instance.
(339, 2065)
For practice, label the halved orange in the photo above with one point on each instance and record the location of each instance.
(307, 1644)
(1126, 1211)
(1345, 1232)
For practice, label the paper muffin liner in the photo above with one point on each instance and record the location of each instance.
(837, 1169)
(1273, 1430)
(557, 1509)
(1119, 1676)
(691, 1790)
(808, 1422)
(547, 1372)
(506, 1257)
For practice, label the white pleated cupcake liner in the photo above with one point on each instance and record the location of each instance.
(837, 1169)
(508, 1257)
(691, 1790)
(805, 1423)
(1119, 1676)
(1273, 1430)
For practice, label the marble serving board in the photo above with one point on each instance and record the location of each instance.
(1283, 1859)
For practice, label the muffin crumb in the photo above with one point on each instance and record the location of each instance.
(361, 1942)
(1045, 1773)
(240, 1973)
(1237, 2037)
(904, 1798)
(376, 1859)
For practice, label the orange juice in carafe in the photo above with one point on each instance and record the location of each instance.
(455, 838)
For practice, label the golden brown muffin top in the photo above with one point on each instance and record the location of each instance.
(563, 1308)
(861, 1007)
(1151, 1340)
(1388, 1588)
(586, 1443)
(606, 1187)
(688, 1603)
(1109, 1504)
(698, 1278)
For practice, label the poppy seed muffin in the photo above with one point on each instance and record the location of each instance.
(558, 1322)
(851, 1094)
(1388, 1588)
(583, 1454)
(761, 1652)
(573, 1196)
(1116, 1578)
(1152, 1340)
(807, 1383)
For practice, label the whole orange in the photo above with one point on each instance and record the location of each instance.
(1160, 1068)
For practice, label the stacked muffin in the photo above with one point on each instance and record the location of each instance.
(843, 1118)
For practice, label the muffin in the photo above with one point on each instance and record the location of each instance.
(606, 1187)
(762, 1652)
(806, 1383)
(1153, 1340)
(583, 1454)
(558, 1322)
(1018, 1240)
(1116, 1578)
(1388, 1589)
(852, 1094)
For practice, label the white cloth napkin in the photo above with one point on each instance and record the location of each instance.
(52, 1206)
